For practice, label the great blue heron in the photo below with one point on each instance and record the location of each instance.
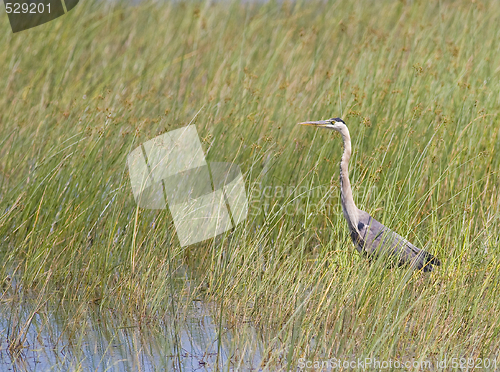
(369, 236)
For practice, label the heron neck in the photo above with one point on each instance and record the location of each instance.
(348, 207)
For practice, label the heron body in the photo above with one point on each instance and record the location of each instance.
(370, 237)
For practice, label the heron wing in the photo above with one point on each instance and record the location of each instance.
(375, 238)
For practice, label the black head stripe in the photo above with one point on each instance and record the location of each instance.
(339, 120)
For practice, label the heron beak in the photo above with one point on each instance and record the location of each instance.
(317, 124)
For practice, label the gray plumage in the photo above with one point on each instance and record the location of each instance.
(369, 236)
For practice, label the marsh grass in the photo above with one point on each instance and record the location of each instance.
(416, 82)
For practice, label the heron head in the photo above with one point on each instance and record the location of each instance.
(333, 124)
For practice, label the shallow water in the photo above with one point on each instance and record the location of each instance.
(102, 343)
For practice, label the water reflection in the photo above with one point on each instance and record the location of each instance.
(56, 340)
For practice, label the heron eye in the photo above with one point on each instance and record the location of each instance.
(361, 225)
